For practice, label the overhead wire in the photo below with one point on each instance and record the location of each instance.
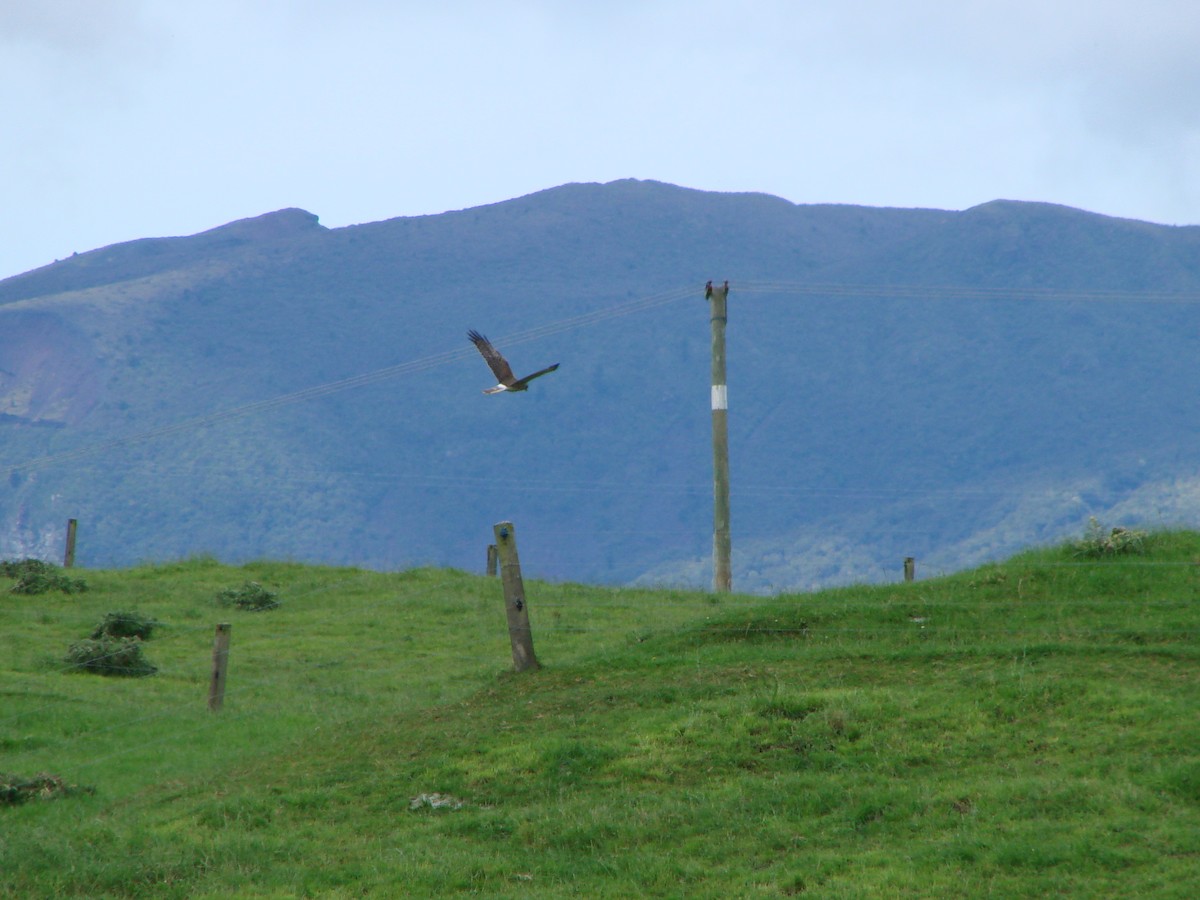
(573, 485)
(593, 317)
(962, 292)
(410, 367)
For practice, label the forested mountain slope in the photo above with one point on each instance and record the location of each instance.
(946, 385)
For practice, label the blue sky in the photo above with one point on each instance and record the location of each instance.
(143, 118)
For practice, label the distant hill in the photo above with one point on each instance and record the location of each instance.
(945, 385)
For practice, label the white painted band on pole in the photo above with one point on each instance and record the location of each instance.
(719, 398)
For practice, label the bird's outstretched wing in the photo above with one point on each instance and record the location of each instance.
(528, 378)
(498, 364)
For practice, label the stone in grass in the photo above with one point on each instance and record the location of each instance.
(435, 801)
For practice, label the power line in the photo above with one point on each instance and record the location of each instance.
(321, 390)
(594, 317)
(417, 478)
(964, 292)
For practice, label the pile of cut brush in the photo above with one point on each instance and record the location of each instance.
(115, 646)
(15, 789)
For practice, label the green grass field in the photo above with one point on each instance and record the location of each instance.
(1027, 729)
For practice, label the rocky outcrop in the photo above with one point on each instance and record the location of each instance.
(49, 374)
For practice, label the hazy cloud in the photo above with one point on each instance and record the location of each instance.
(69, 27)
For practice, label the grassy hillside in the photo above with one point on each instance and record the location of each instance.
(1024, 729)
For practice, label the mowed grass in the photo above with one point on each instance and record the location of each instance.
(1029, 728)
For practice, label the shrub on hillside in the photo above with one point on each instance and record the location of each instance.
(124, 625)
(19, 568)
(252, 596)
(110, 656)
(37, 577)
(42, 584)
(1098, 541)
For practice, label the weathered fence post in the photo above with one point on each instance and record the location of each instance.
(491, 560)
(517, 611)
(216, 690)
(69, 557)
(910, 568)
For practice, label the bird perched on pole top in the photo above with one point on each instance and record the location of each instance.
(500, 367)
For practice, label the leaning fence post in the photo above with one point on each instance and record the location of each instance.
(910, 568)
(69, 557)
(519, 632)
(216, 690)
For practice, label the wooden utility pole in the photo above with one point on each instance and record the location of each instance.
(216, 688)
(69, 557)
(515, 607)
(722, 543)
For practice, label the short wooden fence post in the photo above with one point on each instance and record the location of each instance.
(515, 607)
(491, 560)
(910, 568)
(216, 690)
(69, 557)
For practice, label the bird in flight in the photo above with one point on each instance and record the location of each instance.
(499, 365)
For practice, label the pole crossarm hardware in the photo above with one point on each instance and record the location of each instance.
(722, 543)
